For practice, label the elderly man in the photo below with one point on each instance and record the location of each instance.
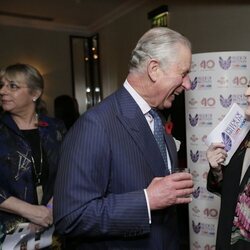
(114, 188)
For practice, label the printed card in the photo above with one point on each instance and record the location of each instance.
(231, 131)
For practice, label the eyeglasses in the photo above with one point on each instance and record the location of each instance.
(12, 86)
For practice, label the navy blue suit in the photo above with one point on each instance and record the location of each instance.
(108, 158)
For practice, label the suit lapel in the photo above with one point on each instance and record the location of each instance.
(136, 125)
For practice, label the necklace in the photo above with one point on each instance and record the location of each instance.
(38, 169)
(38, 174)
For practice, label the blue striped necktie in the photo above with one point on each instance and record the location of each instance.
(159, 136)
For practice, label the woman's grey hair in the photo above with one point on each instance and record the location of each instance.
(158, 43)
(33, 77)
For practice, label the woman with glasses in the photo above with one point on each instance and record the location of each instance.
(29, 144)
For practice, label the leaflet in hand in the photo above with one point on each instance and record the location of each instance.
(23, 238)
(231, 131)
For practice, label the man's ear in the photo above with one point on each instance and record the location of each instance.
(153, 69)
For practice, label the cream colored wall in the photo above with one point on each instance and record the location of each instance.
(209, 28)
(46, 50)
(117, 40)
(213, 27)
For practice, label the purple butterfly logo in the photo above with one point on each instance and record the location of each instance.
(194, 157)
(196, 192)
(226, 102)
(196, 209)
(197, 245)
(193, 121)
(197, 227)
(225, 64)
(227, 141)
(194, 83)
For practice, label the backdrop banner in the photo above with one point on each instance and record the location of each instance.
(218, 79)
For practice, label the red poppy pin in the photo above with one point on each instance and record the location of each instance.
(42, 124)
(169, 125)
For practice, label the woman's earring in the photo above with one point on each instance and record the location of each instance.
(34, 99)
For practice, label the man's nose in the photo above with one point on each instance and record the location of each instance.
(186, 82)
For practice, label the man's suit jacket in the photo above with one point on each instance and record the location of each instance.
(108, 158)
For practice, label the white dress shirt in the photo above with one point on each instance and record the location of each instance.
(145, 108)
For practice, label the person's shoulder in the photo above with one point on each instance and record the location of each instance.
(5, 118)
(104, 107)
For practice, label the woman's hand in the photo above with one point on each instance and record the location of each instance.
(40, 215)
(216, 155)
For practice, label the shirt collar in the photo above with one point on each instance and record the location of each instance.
(138, 99)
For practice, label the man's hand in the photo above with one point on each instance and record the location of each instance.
(170, 190)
